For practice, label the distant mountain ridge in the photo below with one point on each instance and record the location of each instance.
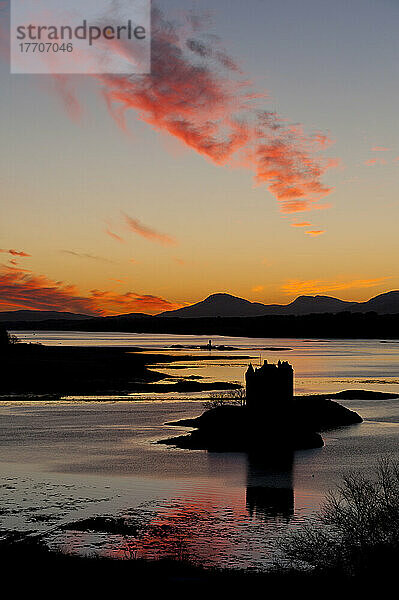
(226, 305)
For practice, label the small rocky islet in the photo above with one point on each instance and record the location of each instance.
(271, 419)
(231, 429)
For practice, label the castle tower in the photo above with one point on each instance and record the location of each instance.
(270, 390)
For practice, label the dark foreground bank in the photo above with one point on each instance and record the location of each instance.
(36, 562)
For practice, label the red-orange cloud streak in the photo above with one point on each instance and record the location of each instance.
(148, 233)
(315, 232)
(16, 253)
(319, 286)
(20, 288)
(196, 93)
(114, 236)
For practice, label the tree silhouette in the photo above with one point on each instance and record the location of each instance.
(357, 530)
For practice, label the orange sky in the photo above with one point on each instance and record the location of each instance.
(233, 167)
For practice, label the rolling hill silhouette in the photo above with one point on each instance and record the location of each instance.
(226, 305)
(40, 315)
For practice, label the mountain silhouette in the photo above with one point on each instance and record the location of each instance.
(304, 305)
(226, 305)
(219, 305)
(387, 303)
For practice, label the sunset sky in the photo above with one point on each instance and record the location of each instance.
(260, 158)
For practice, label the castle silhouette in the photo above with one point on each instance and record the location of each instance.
(270, 390)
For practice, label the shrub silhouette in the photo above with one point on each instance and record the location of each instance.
(357, 530)
(226, 398)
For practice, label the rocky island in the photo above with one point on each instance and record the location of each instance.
(271, 419)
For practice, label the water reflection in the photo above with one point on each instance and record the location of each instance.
(270, 492)
(217, 509)
(232, 520)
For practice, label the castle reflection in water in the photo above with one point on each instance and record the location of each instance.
(269, 491)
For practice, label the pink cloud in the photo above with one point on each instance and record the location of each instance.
(66, 91)
(197, 94)
(114, 236)
(147, 232)
(375, 161)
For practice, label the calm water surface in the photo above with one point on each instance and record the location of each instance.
(74, 459)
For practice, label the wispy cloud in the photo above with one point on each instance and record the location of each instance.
(315, 232)
(371, 162)
(294, 206)
(114, 236)
(147, 232)
(86, 255)
(320, 286)
(16, 253)
(65, 87)
(197, 94)
(380, 149)
(302, 224)
(258, 288)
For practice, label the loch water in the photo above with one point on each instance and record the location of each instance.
(81, 457)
